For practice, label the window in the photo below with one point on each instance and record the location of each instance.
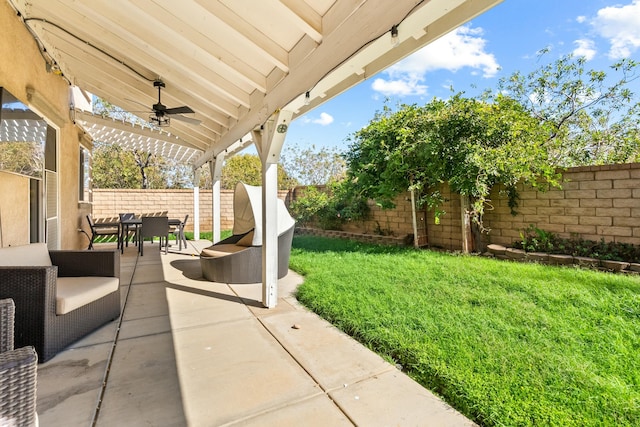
(29, 147)
(23, 138)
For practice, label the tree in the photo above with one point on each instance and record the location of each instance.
(248, 169)
(154, 171)
(593, 118)
(26, 158)
(142, 161)
(113, 167)
(157, 172)
(312, 166)
(473, 145)
(558, 115)
(116, 167)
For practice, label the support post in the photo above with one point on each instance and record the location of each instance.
(269, 235)
(196, 213)
(466, 224)
(216, 174)
(414, 220)
(269, 143)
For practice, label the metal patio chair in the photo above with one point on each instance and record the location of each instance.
(153, 226)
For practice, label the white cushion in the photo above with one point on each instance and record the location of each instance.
(217, 251)
(74, 292)
(32, 255)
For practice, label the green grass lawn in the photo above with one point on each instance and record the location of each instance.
(507, 344)
(208, 235)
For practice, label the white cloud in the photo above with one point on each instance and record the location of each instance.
(463, 47)
(580, 19)
(324, 119)
(403, 86)
(621, 26)
(586, 48)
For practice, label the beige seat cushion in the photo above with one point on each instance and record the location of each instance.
(217, 251)
(74, 292)
(32, 255)
(247, 240)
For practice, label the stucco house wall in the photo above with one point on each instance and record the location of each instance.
(23, 73)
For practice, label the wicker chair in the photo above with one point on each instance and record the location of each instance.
(33, 288)
(238, 258)
(229, 262)
(18, 370)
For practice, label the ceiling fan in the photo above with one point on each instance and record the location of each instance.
(160, 114)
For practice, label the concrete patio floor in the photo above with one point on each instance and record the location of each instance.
(189, 352)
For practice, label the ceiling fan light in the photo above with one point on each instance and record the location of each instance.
(160, 121)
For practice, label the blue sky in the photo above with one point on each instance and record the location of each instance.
(503, 40)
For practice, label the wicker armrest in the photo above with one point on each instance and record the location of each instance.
(18, 370)
(7, 318)
(86, 263)
(29, 285)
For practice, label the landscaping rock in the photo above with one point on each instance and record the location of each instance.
(557, 259)
(496, 249)
(584, 261)
(539, 257)
(634, 266)
(614, 265)
(513, 253)
(630, 272)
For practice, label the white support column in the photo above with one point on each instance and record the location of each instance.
(196, 204)
(269, 143)
(216, 174)
(215, 211)
(269, 235)
(196, 213)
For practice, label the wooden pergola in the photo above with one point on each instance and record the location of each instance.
(245, 68)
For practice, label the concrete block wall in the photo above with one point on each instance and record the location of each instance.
(448, 233)
(108, 203)
(595, 202)
(397, 223)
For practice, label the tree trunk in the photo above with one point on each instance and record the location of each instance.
(143, 164)
(467, 238)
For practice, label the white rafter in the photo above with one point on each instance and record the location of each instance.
(235, 63)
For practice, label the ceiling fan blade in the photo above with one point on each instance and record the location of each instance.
(179, 110)
(186, 119)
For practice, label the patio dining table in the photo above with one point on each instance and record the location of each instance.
(135, 223)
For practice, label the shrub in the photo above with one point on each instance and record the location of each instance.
(534, 239)
(305, 208)
(329, 209)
